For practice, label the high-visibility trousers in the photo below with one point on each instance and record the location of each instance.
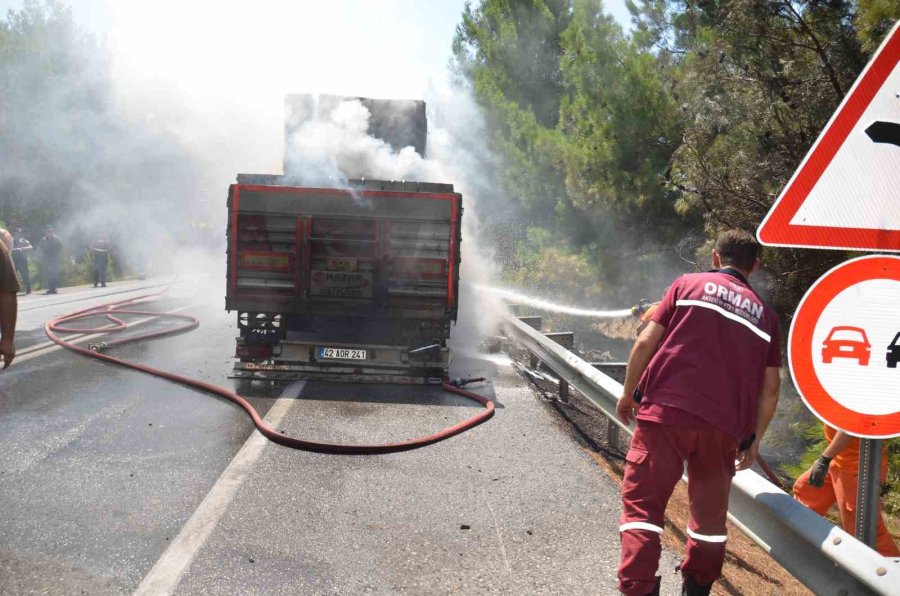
(654, 465)
(840, 488)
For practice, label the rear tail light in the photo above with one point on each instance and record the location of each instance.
(254, 352)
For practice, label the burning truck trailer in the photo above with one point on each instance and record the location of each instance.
(357, 281)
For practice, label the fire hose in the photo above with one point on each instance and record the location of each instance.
(112, 312)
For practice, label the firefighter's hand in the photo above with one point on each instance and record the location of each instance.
(7, 351)
(626, 408)
(818, 471)
(747, 457)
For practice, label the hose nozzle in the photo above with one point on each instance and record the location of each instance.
(99, 348)
(460, 382)
(639, 308)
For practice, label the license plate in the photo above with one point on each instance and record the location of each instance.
(342, 353)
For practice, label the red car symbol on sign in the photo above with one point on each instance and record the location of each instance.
(847, 342)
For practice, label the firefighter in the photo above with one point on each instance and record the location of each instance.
(833, 479)
(21, 248)
(702, 382)
(9, 286)
(100, 260)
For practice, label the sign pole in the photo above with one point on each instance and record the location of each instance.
(868, 490)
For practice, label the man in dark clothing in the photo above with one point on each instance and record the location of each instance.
(51, 252)
(702, 383)
(21, 248)
(100, 259)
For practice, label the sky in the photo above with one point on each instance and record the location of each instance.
(212, 72)
(378, 48)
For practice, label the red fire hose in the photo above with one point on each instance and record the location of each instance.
(112, 311)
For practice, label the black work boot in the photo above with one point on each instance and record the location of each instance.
(692, 588)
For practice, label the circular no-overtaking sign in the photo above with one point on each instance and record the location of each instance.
(844, 347)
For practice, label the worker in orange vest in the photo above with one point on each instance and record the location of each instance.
(833, 478)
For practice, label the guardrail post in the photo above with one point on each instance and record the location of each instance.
(564, 338)
(533, 360)
(612, 434)
(534, 322)
(563, 391)
(868, 490)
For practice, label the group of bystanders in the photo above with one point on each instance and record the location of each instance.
(15, 250)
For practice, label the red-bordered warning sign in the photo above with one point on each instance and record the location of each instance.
(846, 192)
(844, 347)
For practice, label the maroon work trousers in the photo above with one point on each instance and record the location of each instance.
(654, 465)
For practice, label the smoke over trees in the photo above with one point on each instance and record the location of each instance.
(635, 151)
(48, 69)
(71, 160)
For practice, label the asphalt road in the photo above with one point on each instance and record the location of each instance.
(114, 482)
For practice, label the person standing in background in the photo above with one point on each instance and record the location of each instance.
(100, 259)
(20, 250)
(834, 478)
(9, 306)
(51, 253)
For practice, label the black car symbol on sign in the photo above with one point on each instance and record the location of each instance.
(893, 352)
(884, 132)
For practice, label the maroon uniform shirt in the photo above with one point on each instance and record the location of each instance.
(720, 337)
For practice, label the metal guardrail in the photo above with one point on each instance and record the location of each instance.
(826, 559)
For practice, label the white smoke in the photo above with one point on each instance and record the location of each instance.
(456, 144)
(335, 145)
(329, 146)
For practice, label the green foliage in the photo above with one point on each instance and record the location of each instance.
(509, 53)
(589, 170)
(811, 433)
(757, 81)
(653, 143)
(49, 69)
(627, 155)
(874, 18)
(558, 273)
(77, 271)
(550, 268)
(891, 499)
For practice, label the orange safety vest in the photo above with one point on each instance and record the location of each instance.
(848, 459)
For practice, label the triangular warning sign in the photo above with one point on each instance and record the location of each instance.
(846, 193)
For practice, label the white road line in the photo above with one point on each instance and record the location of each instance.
(26, 305)
(50, 346)
(169, 569)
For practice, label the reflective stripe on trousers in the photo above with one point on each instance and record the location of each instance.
(640, 526)
(705, 538)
